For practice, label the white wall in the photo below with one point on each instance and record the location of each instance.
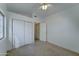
(3, 42)
(63, 29)
(11, 16)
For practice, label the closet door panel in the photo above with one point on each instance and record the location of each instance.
(18, 33)
(28, 33)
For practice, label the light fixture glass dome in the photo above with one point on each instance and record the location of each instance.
(44, 6)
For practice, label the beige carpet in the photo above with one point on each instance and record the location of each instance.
(41, 49)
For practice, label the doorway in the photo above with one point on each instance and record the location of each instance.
(37, 32)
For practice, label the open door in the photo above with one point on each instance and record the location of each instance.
(43, 32)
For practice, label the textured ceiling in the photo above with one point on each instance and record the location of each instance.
(32, 9)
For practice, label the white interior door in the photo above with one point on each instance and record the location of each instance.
(28, 33)
(43, 31)
(18, 33)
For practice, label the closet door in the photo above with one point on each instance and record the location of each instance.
(18, 33)
(28, 33)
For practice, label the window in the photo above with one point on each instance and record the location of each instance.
(1, 25)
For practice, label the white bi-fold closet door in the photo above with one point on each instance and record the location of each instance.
(22, 33)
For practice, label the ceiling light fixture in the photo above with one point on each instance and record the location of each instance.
(44, 6)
